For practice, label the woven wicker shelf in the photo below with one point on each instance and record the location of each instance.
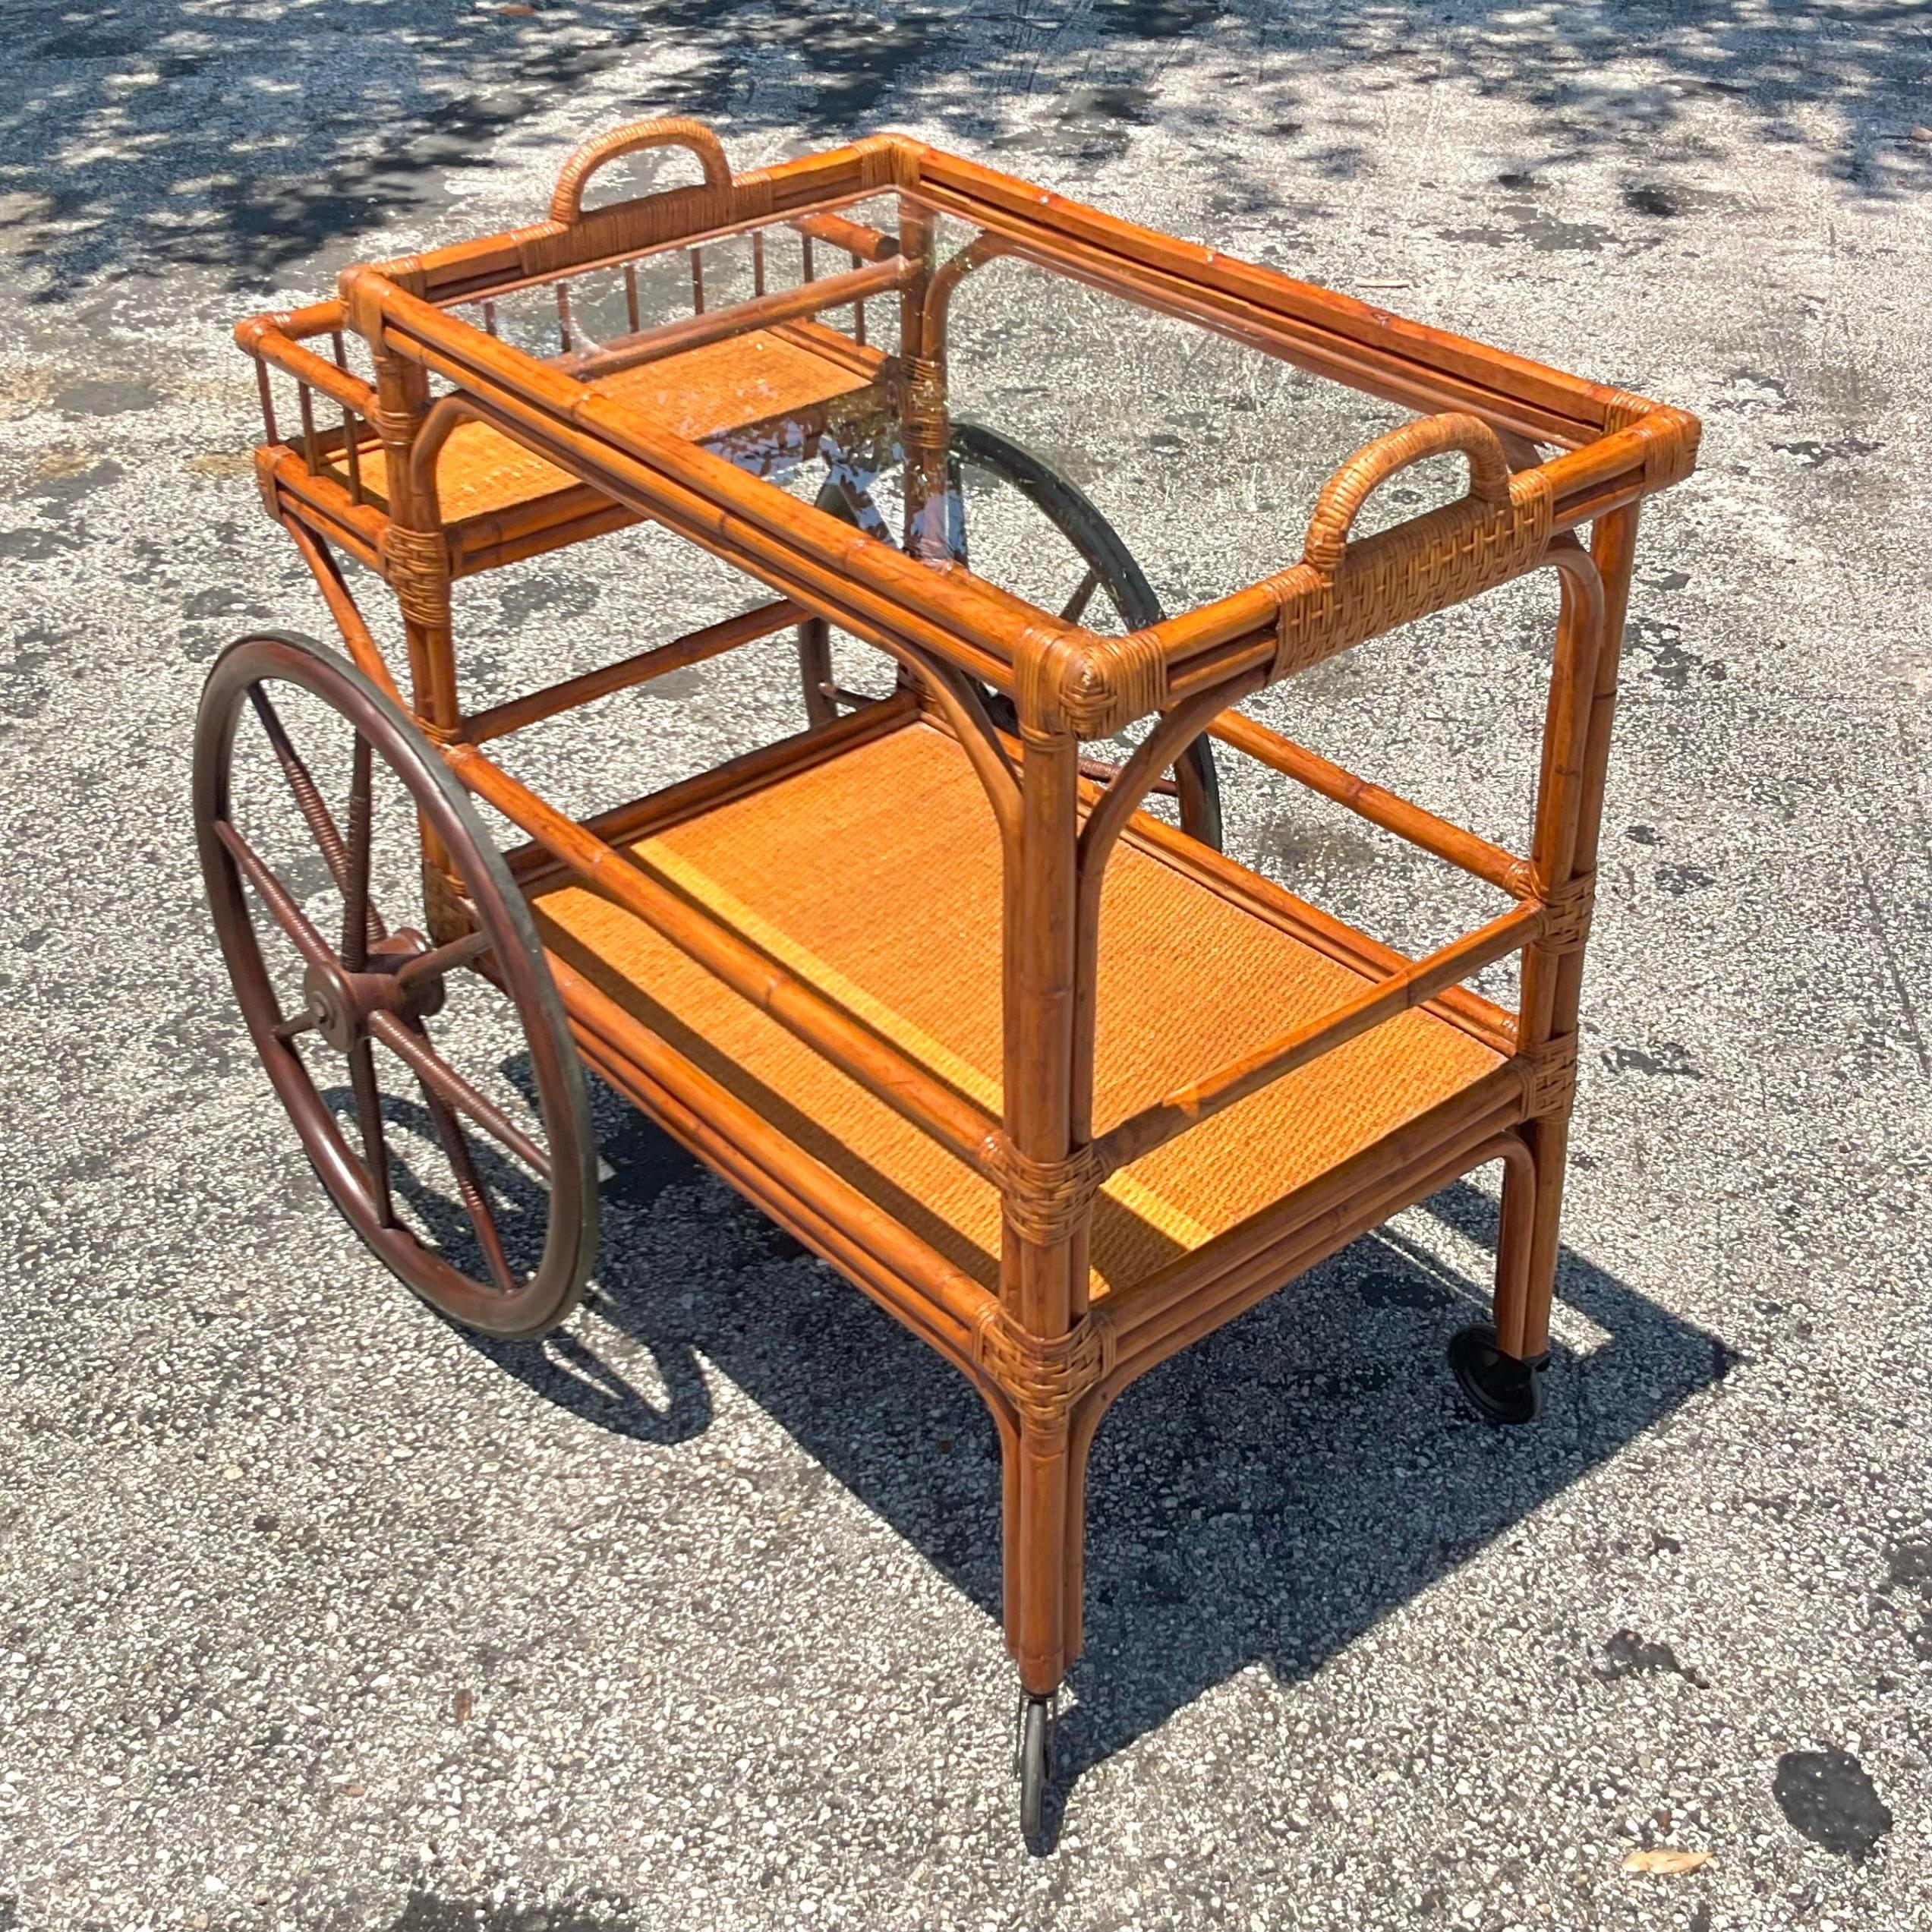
(783, 375)
(875, 877)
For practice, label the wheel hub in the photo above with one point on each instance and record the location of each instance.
(342, 1002)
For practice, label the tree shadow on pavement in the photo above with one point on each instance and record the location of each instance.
(151, 135)
(1265, 1497)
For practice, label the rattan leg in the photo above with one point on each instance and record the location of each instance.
(1042, 1615)
(1526, 1250)
(815, 670)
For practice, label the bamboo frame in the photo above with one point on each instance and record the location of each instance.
(627, 673)
(1045, 1354)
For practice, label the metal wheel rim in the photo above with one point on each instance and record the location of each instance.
(570, 1238)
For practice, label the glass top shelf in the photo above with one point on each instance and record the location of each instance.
(1104, 460)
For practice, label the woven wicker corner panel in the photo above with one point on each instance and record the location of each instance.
(908, 977)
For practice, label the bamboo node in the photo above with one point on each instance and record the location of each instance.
(417, 564)
(1044, 1201)
(1044, 1377)
(1567, 908)
(1550, 1075)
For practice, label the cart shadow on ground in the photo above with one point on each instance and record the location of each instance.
(1265, 1498)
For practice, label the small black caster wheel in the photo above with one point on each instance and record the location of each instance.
(1500, 1388)
(1034, 1763)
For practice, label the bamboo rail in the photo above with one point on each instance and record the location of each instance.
(716, 325)
(1379, 806)
(959, 1124)
(914, 1281)
(863, 243)
(1140, 1134)
(692, 648)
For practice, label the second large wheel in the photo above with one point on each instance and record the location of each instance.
(982, 460)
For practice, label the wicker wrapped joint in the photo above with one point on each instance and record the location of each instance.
(906, 977)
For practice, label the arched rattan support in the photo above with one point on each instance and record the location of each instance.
(444, 416)
(1566, 724)
(966, 711)
(951, 690)
(1173, 730)
(936, 311)
(1152, 756)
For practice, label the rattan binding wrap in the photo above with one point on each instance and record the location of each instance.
(637, 137)
(1550, 1075)
(1341, 593)
(1044, 1379)
(1670, 436)
(1044, 1200)
(1568, 907)
(417, 564)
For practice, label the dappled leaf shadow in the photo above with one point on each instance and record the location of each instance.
(152, 136)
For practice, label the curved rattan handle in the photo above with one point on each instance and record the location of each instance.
(1372, 466)
(567, 203)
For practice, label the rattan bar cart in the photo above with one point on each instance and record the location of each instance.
(909, 978)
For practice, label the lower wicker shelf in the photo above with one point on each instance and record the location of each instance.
(875, 877)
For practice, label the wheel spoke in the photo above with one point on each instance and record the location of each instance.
(1076, 605)
(308, 794)
(469, 1186)
(411, 1045)
(369, 1115)
(360, 927)
(274, 896)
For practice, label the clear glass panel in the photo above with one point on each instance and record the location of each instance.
(1107, 462)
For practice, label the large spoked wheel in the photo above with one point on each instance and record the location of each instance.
(477, 1189)
(978, 456)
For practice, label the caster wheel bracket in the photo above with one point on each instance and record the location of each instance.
(1505, 1390)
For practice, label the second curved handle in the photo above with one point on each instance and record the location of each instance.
(1371, 466)
(567, 202)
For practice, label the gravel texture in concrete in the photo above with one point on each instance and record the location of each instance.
(314, 1613)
